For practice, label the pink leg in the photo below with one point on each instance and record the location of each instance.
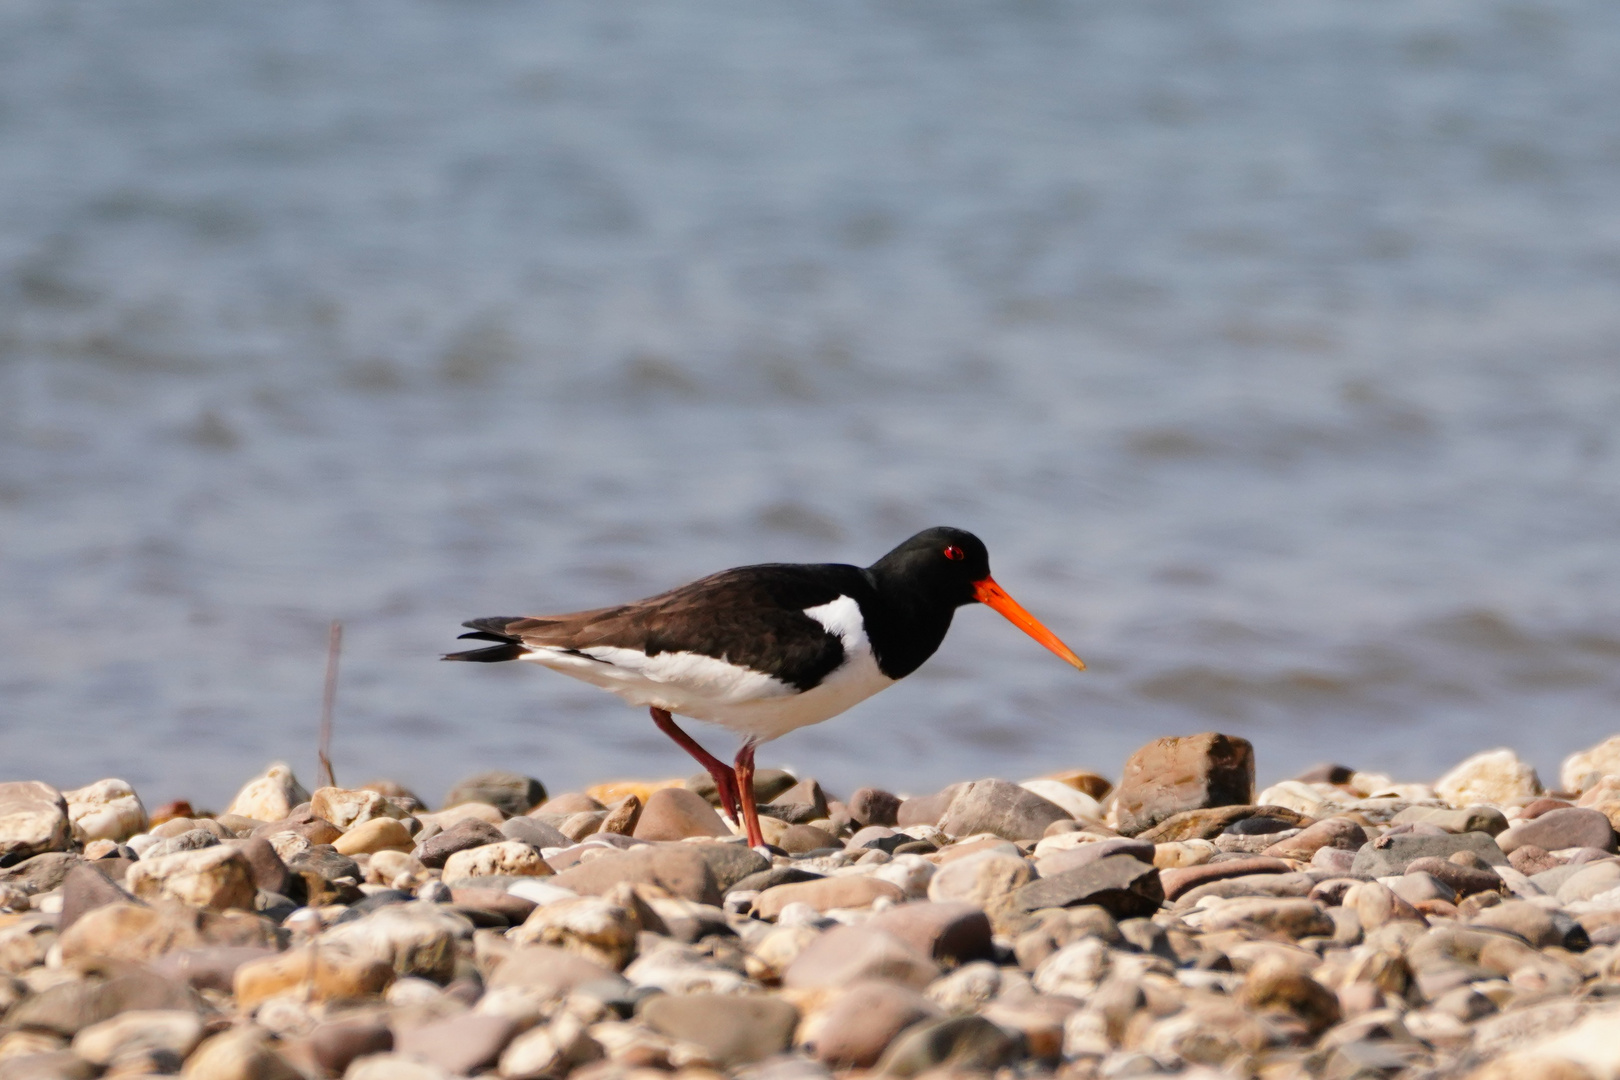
(745, 785)
(724, 780)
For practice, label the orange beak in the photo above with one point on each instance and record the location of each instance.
(989, 593)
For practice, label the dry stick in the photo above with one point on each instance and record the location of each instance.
(334, 646)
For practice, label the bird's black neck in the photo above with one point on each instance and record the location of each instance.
(904, 624)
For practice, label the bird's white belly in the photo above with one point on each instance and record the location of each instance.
(749, 702)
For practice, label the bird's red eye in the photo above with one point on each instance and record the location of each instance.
(954, 553)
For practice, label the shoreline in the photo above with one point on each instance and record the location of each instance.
(1172, 920)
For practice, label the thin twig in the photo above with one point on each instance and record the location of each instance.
(334, 646)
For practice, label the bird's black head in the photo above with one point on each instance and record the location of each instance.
(943, 564)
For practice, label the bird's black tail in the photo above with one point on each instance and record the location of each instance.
(510, 648)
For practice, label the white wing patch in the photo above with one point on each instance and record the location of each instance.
(751, 702)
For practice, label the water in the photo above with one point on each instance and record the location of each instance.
(1270, 346)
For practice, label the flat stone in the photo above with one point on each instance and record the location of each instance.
(1084, 855)
(550, 972)
(1183, 879)
(1390, 855)
(1119, 884)
(1417, 888)
(458, 1044)
(776, 875)
(961, 1044)
(511, 793)
(983, 879)
(378, 834)
(1555, 830)
(215, 878)
(462, 836)
(321, 975)
(806, 793)
(67, 1008)
(730, 862)
(209, 968)
(1497, 777)
(177, 1031)
(532, 831)
(825, 894)
(42, 873)
(846, 954)
(1334, 832)
(1179, 773)
(1001, 808)
(860, 1023)
(1587, 881)
(1210, 822)
(33, 819)
(507, 858)
(1534, 924)
(1462, 880)
(1485, 819)
(735, 1030)
(874, 806)
(677, 868)
(1289, 917)
(950, 933)
(1293, 884)
(326, 861)
(926, 809)
(270, 796)
(336, 1043)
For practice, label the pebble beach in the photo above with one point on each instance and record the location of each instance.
(1171, 920)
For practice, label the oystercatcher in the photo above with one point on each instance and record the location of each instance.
(766, 649)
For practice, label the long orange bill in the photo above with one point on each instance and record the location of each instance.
(989, 593)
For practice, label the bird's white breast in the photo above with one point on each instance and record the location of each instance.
(751, 702)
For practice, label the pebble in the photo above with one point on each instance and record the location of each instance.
(1001, 809)
(1347, 924)
(1180, 773)
(675, 814)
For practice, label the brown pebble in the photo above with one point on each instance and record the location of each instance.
(675, 814)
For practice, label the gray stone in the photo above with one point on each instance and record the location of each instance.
(768, 784)
(1002, 808)
(1119, 884)
(1179, 773)
(730, 862)
(70, 1007)
(84, 889)
(1086, 854)
(510, 793)
(1390, 855)
(734, 1029)
(532, 831)
(1209, 822)
(43, 872)
(776, 875)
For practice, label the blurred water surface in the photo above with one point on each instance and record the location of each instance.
(1270, 346)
